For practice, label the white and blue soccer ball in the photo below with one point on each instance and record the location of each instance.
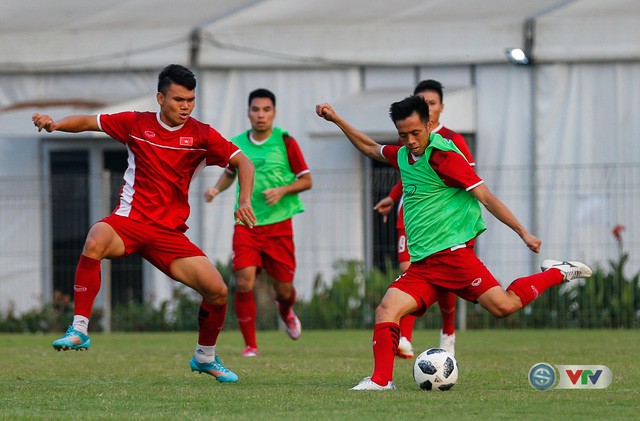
(435, 369)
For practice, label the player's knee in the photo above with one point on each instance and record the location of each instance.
(93, 248)
(384, 313)
(216, 295)
(244, 284)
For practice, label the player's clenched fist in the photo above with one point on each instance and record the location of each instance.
(43, 122)
(325, 111)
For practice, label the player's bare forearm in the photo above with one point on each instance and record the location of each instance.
(246, 171)
(362, 142)
(302, 183)
(504, 215)
(70, 124)
(224, 182)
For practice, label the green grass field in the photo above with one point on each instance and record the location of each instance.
(147, 376)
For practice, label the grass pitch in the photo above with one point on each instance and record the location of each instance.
(147, 376)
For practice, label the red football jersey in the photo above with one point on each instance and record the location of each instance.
(457, 140)
(161, 164)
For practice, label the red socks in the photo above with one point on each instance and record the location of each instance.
(210, 322)
(385, 343)
(86, 285)
(529, 287)
(246, 314)
(406, 326)
(447, 303)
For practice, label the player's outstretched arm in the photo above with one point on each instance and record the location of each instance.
(504, 215)
(70, 124)
(362, 142)
(246, 171)
(224, 182)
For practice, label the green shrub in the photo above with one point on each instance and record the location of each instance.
(607, 300)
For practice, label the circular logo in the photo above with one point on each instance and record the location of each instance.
(542, 376)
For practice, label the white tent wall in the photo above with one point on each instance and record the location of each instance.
(587, 155)
(98, 35)
(21, 213)
(503, 158)
(585, 166)
(86, 89)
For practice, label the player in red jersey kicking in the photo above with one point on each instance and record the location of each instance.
(432, 92)
(165, 151)
(281, 173)
(439, 184)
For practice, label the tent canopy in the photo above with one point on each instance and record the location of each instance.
(139, 34)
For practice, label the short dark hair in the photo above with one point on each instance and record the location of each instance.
(404, 109)
(262, 93)
(429, 85)
(175, 73)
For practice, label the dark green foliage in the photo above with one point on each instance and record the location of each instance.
(349, 302)
(608, 299)
(54, 316)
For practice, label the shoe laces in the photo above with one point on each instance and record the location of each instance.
(218, 365)
(71, 332)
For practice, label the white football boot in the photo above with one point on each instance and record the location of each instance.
(448, 343)
(570, 270)
(405, 349)
(368, 384)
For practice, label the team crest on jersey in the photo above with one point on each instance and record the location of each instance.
(410, 189)
(186, 141)
(149, 134)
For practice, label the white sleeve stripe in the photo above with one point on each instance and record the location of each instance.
(381, 149)
(301, 173)
(99, 125)
(226, 169)
(475, 185)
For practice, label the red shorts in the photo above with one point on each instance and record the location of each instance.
(459, 271)
(403, 251)
(268, 246)
(159, 245)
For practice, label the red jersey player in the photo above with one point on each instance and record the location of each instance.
(165, 151)
(432, 92)
(442, 215)
(281, 173)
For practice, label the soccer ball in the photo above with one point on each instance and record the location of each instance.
(435, 369)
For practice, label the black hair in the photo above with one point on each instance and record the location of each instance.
(262, 93)
(402, 110)
(175, 73)
(429, 85)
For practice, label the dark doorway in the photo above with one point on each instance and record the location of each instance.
(70, 210)
(69, 215)
(383, 178)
